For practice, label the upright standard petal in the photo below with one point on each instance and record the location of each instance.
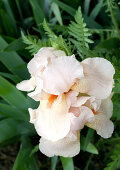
(61, 74)
(99, 76)
(27, 85)
(42, 58)
(52, 120)
(65, 147)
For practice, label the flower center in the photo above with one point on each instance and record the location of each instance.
(51, 99)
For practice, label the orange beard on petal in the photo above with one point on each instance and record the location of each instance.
(51, 99)
(94, 112)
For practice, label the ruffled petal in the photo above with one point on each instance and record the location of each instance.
(32, 115)
(71, 97)
(107, 107)
(65, 147)
(80, 101)
(81, 86)
(61, 74)
(45, 52)
(93, 103)
(99, 77)
(27, 85)
(75, 111)
(36, 95)
(85, 115)
(36, 65)
(102, 125)
(53, 123)
(40, 60)
(59, 53)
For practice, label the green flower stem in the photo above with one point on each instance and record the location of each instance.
(114, 19)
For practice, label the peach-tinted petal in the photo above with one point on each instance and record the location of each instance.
(99, 76)
(74, 101)
(71, 97)
(75, 111)
(32, 115)
(80, 101)
(65, 147)
(26, 85)
(107, 107)
(61, 74)
(53, 122)
(93, 103)
(42, 58)
(102, 125)
(81, 86)
(59, 53)
(36, 95)
(85, 115)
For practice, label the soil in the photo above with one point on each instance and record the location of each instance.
(7, 156)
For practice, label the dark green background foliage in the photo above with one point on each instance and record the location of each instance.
(87, 28)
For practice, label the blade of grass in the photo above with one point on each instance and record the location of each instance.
(13, 62)
(8, 24)
(23, 160)
(54, 162)
(56, 11)
(9, 111)
(88, 138)
(65, 7)
(67, 163)
(96, 9)
(19, 9)
(10, 128)
(12, 77)
(37, 11)
(13, 96)
(10, 13)
(86, 7)
(15, 45)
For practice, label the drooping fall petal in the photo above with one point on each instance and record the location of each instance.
(26, 85)
(102, 124)
(64, 147)
(52, 120)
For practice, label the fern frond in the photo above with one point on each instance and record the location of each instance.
(57, 42)
(33, 44)
(104, 33)
(62, 45)
(48, 31)
(115, 159)
(110, 4)
(83, 51)
(79, 33)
